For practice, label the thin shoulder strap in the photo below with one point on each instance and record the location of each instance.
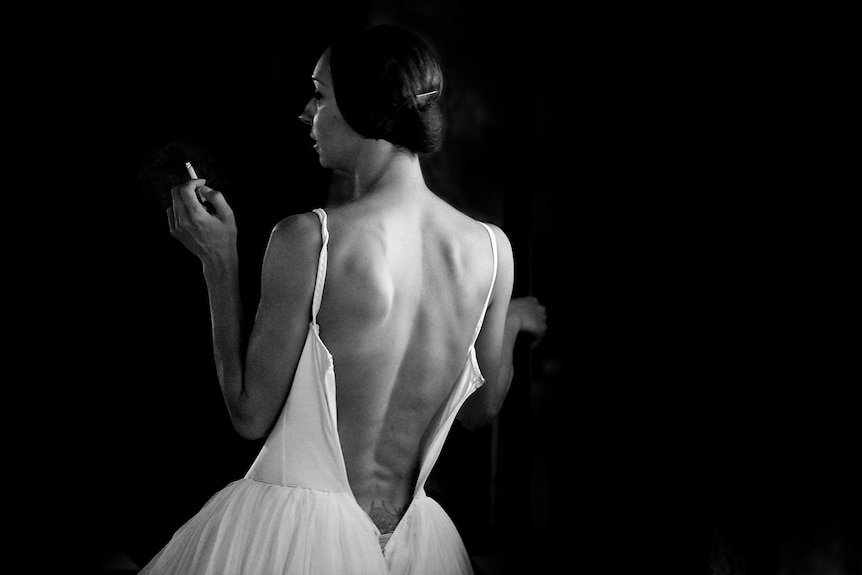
(321, 265)
(493, 281)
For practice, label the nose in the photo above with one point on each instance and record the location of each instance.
(308, 113)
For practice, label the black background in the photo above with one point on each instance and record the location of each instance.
(697, 380)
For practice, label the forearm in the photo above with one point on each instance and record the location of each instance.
(524, 314)
(228, 329)
(506, 371)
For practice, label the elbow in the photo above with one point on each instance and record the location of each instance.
(482, 408)
(476, 418)
(249, 429)
(475, 424)
(249, 434)
(247, 419)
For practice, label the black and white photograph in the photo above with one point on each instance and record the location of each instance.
(434, 288)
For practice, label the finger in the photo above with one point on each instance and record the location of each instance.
(188, 195)
(179, 209)
(172, 223)
(217, 199)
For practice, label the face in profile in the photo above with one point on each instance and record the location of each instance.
(332, 135)
(389, 85)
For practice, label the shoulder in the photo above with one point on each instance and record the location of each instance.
(505, 264)
(504, 246)
(297, 230)
(503, 243)
(470, 227)
(296, 237)
(297, 227)
(473, 232)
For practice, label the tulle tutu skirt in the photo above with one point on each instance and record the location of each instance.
(256, 528)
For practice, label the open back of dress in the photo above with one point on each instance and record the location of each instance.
(294, 512)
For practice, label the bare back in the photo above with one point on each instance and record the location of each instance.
(405, 288)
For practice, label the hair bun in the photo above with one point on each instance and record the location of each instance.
(388, 83)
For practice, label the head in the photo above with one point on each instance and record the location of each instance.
(382, 83)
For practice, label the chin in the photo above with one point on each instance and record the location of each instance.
(329, 164)
(320, 159)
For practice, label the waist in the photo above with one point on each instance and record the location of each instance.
(385, 499)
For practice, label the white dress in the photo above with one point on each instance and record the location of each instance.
(294, 512)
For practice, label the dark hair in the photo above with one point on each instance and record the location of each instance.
(388, 84)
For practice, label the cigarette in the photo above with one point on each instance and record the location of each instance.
(194, 176)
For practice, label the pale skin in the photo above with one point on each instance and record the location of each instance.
(406, 281)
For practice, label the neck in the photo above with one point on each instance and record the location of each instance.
(380, 167)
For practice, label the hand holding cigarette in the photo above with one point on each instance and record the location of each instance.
(211, 237)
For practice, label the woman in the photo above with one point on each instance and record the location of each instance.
(402, 296)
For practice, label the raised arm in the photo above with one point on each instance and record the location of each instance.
(255, 371)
